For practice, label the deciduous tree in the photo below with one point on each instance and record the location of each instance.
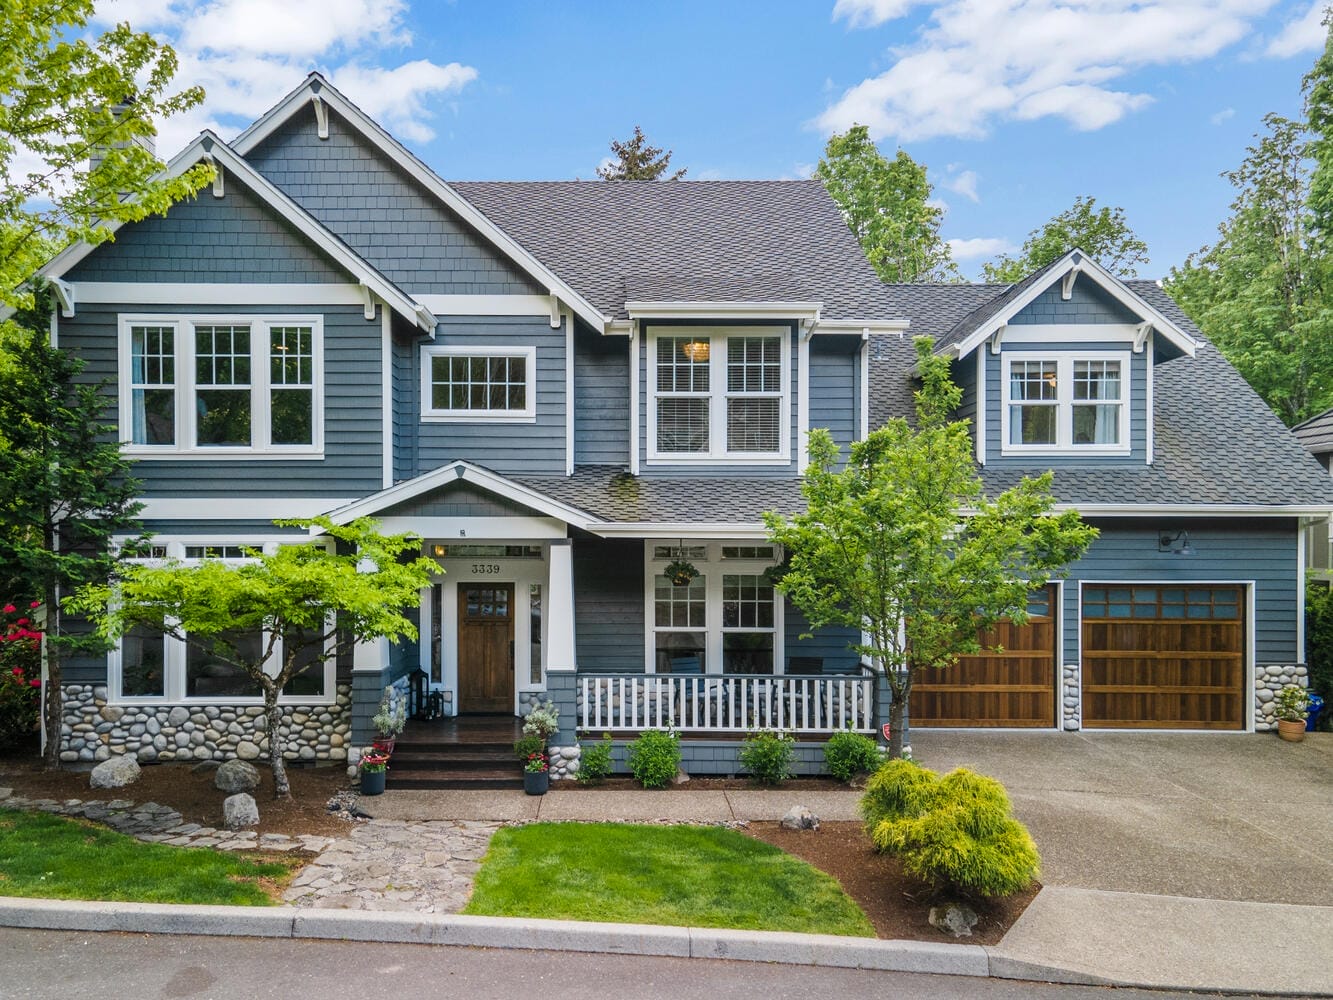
(1102, 233)
(903, 545)
(309, 601)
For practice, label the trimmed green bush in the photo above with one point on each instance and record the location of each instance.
(848, 754)
(595, 761)
(1319, 644)
(957, 831)
(526, 746)
(654, 758)
(767, 756)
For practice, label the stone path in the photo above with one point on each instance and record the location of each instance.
(380, 865)
(394, 865)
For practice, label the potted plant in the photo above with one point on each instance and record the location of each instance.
(389, 720)
(537, 774)
(680, 572)
(1291, 705)
(374, 767)
(543, 721)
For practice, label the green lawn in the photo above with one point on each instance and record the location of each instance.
(56, 858)
(680, 875)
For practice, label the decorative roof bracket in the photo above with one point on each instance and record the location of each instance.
(1067, 282)
(64, 293)
(996, 337)
(368, 299)
(555, 311)
(321, 115)
(1141, 333)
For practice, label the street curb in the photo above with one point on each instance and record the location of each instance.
(497, 932)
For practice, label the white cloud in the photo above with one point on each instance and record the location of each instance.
(1303, 34)
(1226, 114)
(964, 183)
(977, 62)
(870, 13)
(981, 246)
(247, 53)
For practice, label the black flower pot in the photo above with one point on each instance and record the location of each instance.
(372, 782)
(536, 782)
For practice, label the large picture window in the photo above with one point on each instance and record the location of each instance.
(220, 386)
(718, 395)
(1072, 403)
(478, 383)
(148, 665)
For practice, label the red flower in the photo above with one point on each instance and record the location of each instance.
(17, 671)
(35, 604)
(10, 609)
(34, 683)
(22, 621)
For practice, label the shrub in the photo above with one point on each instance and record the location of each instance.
(1319, 644)
(526, 746)
(848, 754)
(543, 721)
(1292, 703)
(957, 831)
(595, 761)
(20, 675)
(654, 758)
(767, 756)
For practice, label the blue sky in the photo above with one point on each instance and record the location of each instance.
(1015, 106)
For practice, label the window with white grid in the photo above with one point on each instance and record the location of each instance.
(152, 384)
(292, 384)
(1058, 402)
(485, 383)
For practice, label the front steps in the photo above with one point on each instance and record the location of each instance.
(468, 752)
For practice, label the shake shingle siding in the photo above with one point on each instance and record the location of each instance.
(1087, 303)
(601, 399)
(381, 213)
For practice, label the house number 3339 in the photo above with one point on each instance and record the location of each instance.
(486, 569)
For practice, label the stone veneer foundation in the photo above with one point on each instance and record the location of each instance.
(94, 730)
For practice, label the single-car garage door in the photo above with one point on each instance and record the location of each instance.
(1014, 688)
(1163, 656)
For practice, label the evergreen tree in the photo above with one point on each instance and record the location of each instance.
(638, 161)
(1103, 234)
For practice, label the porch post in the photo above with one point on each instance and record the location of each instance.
(561, 661)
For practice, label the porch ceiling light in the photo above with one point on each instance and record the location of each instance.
(1177, 544)
(439, 551)
(696, 350)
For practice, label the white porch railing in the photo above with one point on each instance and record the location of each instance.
(725, 703)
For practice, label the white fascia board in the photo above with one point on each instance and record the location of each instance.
(898, 326)
(234, 508)
(680, 529)
(208, 146)
(423, 175)
(619, 328)
(217, 294)
(1193, 510)
(465, 471)
(808, 311)
(1104, 278)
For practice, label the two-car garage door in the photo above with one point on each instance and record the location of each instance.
(1154, 656)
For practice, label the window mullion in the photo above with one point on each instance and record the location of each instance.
(261, 358)
(185, 405)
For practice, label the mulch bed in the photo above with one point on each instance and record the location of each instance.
(696, 784)
(897, 904)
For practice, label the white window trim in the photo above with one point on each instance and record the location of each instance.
(261, 445)
(1064, 361)
(717, 395)
(713, 567)
(173, 659)
(527, 415)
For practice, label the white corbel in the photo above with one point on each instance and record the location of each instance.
(367, 300)
(64, 293)
(995, 339)
(321, 115)
(809, 323)
(219, 184)
(1141, 333)
(1067, 283)
(555, 311)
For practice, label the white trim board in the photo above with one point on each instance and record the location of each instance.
(235, 508)
(317, 85)
(486, 305)
(220, 294)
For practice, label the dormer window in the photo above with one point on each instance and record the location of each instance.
(1072, 403)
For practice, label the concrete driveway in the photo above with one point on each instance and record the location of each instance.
(1220, 816)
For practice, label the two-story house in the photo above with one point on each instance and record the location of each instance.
(565, 387)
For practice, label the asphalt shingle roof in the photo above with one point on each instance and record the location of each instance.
(1316, 434)
(688, 241)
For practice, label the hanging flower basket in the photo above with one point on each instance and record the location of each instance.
(680, 572)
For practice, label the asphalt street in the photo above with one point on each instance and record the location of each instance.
(45, 965)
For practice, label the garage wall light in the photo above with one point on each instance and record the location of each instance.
(1177, 544)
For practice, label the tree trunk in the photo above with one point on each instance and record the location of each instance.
(900, 690)
(52, 710)
(276, 743)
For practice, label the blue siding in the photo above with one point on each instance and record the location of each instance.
(829, 644)
(353, 442)
(458, 499)
(703, 471)
(231, 239)
(1088, 303)
(608, 605)
(536, 448)
(380, 212)
(405, 365)
(1262, 551)
(835, 387)
(1138, 403)
(601, 398)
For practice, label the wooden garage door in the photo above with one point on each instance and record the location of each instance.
(1014, 688)
(1163, 657)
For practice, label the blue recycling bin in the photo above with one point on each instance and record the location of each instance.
(1315, 706)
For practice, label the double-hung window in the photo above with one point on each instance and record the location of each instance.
(719, 395)
(1070, 403)
(479, 384)
(221, 386)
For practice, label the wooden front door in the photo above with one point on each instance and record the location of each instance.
(486, 647)
(1163, 656)
(1014, 688)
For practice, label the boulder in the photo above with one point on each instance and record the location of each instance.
(682, 776)
(800, 818)
(115, 773)
(236, 776)
(953, 918)
(205, 767)
(239, 811)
